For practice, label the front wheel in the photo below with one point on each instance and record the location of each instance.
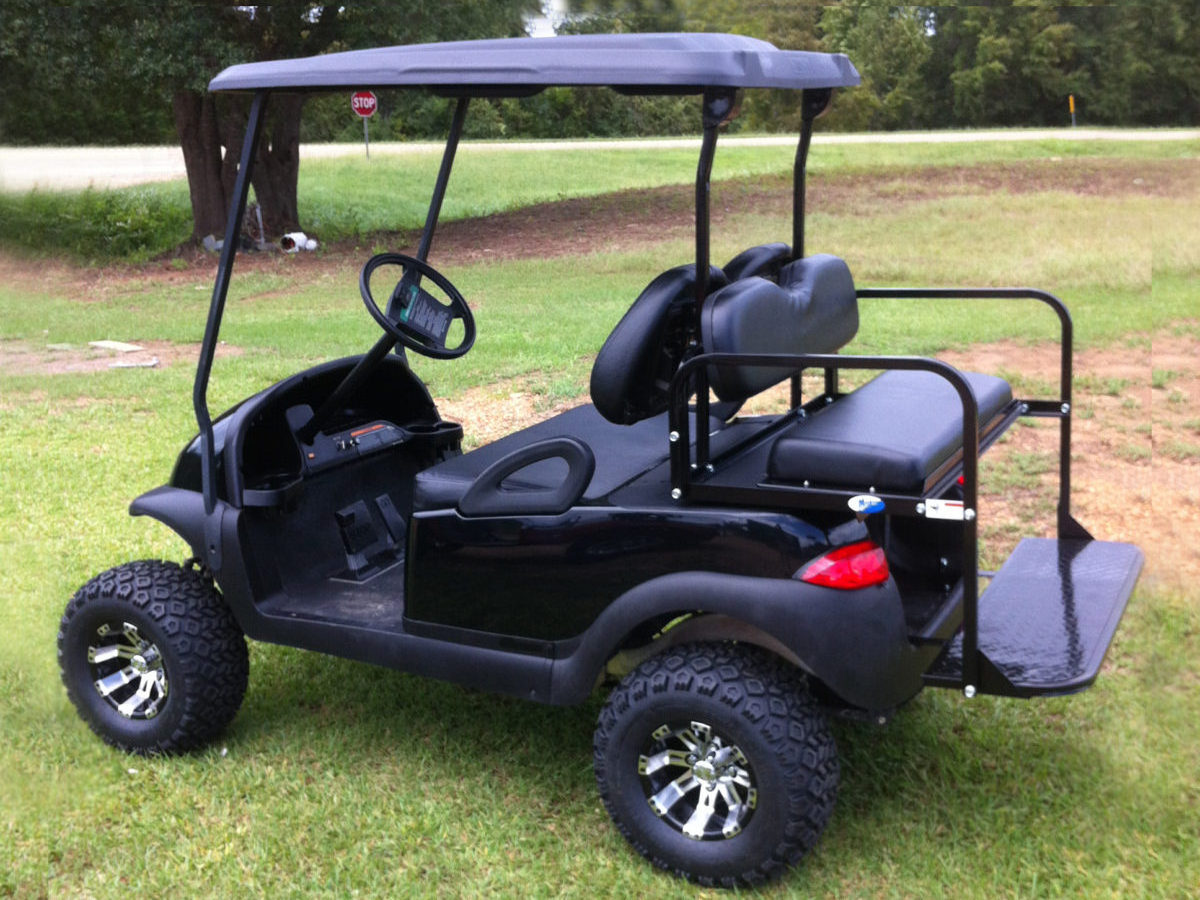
(152, 657)
(715, 763)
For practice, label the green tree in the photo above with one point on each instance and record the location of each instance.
(1004, 64)
(1139, 64)
(163, 55)
(622, 16)
(786, 24)
(192, 41)
(889, 45)
(56, 84)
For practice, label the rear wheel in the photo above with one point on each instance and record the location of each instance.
(152, 658)
(715, 763)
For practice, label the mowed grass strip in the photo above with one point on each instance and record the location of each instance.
(339, 778)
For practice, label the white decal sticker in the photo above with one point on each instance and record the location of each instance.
(944, 509)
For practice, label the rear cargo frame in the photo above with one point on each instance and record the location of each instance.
(695, 475)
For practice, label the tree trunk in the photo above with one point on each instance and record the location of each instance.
(277, 166)
(196, 123)
(204, 125)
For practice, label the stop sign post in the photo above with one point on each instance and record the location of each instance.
(364, 104)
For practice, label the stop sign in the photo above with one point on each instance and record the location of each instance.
(364, 103)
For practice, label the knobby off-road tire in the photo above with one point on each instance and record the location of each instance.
(715, 763)
(152, 657)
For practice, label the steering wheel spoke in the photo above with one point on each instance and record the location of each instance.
(414, 317)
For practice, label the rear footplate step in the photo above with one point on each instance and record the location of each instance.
(1047, 618)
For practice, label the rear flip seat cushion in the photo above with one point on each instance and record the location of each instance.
(891, 434)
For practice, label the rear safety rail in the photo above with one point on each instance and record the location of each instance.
(966, 665)
(1059, 409)
(692, 379)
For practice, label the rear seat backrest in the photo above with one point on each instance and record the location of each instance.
(813, 309)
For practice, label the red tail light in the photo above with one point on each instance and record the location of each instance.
(848, 568)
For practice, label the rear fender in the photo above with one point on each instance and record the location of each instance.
(853, 642)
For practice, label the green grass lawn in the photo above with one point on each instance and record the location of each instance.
(349, 197)
(340, 779)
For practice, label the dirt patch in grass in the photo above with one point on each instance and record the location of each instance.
(633, 220)
(1135, 453)
(490, 412)
(23, 358)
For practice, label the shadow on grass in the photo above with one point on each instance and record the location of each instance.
(363, 712)
(942, 766)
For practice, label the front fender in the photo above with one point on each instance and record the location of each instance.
(179, 509)
(854, 642)
(182, 511)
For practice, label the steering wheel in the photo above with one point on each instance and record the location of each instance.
(414, 317)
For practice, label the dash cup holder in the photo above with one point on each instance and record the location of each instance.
(439, 435)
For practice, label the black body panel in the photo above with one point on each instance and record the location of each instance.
(187, 471)
(549, 577)
(855, 642)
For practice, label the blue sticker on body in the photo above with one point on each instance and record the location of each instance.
(865, 504)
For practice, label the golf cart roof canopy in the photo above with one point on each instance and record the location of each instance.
(632, 63)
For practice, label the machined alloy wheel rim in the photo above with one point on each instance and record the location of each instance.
(127, 670)
(698, 781)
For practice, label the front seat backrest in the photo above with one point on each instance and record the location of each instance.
(632, 373)
(765, 260)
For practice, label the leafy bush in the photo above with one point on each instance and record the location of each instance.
(133, 223)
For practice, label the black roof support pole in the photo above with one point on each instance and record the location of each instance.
(708, 148)
(443, 177)
(237, 209)
(385, 344)
(813, 102)
(720, 105)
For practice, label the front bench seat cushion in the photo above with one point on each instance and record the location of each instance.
(891, 434)
(622, 452)
(632, 373)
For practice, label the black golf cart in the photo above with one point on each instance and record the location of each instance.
(741, 577)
